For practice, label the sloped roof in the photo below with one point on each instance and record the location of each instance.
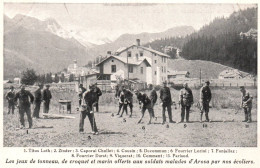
(124, 60)
(178, 72)
(120, 49)
(230, 72)
(145, 48)
(254, 31)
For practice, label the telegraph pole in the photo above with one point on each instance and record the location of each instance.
(200, 76)
(127, 71)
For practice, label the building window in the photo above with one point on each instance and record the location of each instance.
(142, 70)
(113, 68)
(162, 68)
(155, 72)
(112, 60)
(130, 68)
(155, 61)
(129, 54)
(141, 53)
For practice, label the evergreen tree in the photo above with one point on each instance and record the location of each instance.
(56, 78)
(62, 78)
(29, 77)
(71, 78)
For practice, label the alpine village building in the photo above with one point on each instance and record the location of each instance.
(136, 62)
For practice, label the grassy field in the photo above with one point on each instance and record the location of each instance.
(125, 132)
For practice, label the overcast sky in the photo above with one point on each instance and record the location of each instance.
(97, 21)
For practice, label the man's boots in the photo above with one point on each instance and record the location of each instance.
(207, 117)
(187, 116)
(246, 118)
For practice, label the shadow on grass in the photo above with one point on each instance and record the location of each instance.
(112, 133)
(43, 127)
(53, 118)
(103, 112)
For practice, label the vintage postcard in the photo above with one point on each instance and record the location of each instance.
(116, 84)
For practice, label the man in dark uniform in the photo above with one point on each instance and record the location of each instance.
(205, 97)
(90, 99)
(145, 103)
(153, 97)
(117, 91)
(37, 102)
(246, 104)
(166, 99)
(129, 99)
(10, 98)
(24, 105)
(122, 103)
(117, 97)
(46, 97)
(185, 100)
(81, 91)
(99, 93)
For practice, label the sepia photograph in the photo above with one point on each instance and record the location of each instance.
(130, 75)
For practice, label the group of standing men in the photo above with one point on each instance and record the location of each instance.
(23, 100)
(185, 101)
(89, 99)
(146, 102)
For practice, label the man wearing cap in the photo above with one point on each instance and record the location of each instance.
(10, 98)
(122, 103)
(246, 104)
(46, 97)
(117, 96)
(89, 100)
(185, 100)
(99, 93)
(24, 105)
(166, 99)
(153, 97)
(205, 97)
(37, 101)
(145, 103)
(81, 91)
(117, 91)
(128, 99)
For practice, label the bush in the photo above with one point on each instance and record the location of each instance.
(29, 77)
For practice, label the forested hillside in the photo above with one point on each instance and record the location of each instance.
(220, 42)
